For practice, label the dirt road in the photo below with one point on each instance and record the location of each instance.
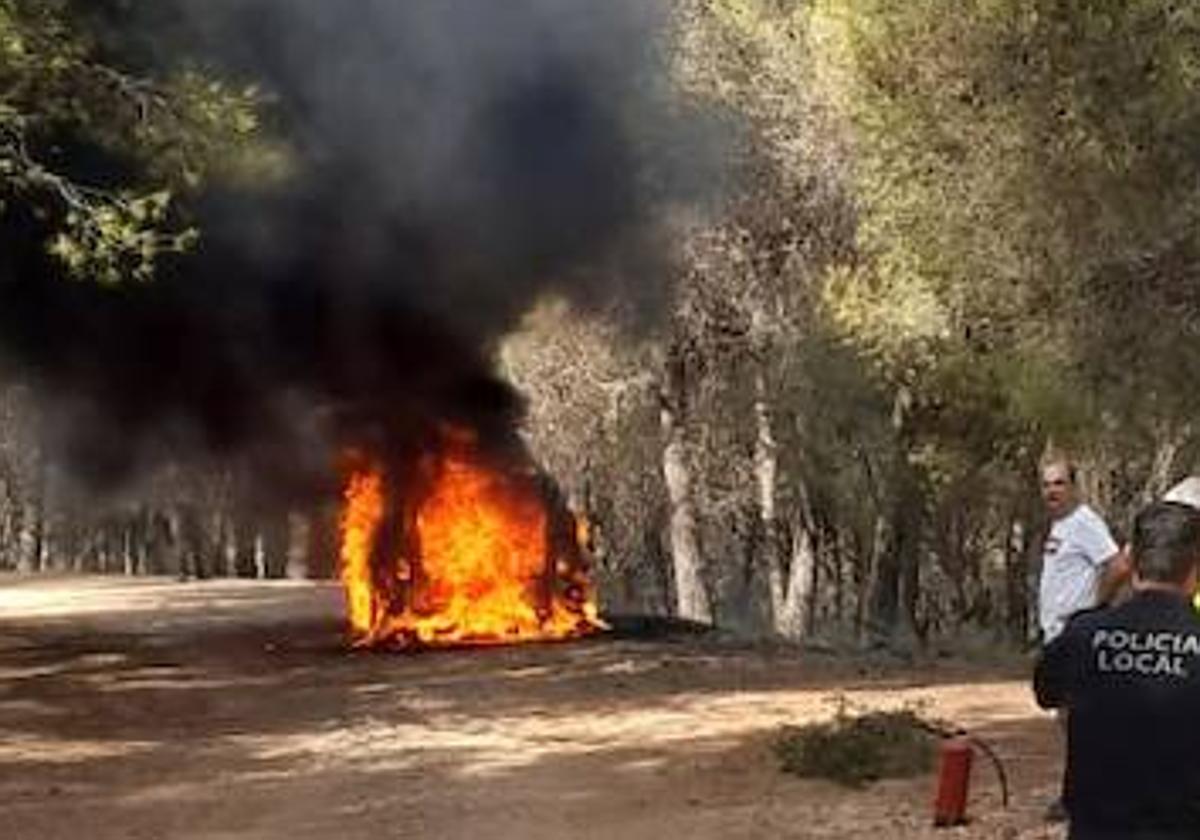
(153, 709)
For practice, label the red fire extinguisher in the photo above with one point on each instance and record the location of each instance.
(954, 777)
(954, 781)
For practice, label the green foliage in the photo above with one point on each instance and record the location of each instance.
(856, 749)
(161, 139)
(1007, 151)
(119, 238)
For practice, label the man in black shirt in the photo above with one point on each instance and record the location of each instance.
(1130, 676)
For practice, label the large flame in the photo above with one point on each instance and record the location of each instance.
(480, 562)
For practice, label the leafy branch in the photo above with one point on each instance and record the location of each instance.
(179, 133)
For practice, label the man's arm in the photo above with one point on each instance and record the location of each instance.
(1054, 674)
(1115, 573)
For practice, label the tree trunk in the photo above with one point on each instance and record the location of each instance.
(691, 597)
(274, 543)
(31, 531)
(834, 537)
(1015, 575)
(299, 545)
(245, 550)
(198, 544)
(907, 536)
(868, 583)
(175, 555)
(793, 618)
(323, 543)
(1169, 442)
(791, 588)
(766, 469)
(153, 543)
(894, 600)
(128, 550)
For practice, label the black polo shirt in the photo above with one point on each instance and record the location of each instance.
(1130, 676)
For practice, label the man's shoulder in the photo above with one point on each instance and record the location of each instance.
(1085, 516)
(1136, 615)
(1083, 524)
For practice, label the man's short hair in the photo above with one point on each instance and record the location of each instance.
(1166, 542)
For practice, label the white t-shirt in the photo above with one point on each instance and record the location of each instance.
(1072, 563)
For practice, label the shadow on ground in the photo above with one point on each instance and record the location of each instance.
(250, 719)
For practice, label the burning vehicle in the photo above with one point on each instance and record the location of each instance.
(461, 546)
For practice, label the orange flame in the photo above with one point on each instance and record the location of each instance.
(486, 570)
(360, 520)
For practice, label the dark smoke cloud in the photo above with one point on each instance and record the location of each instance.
(458, 159)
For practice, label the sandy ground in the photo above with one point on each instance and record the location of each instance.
(229, 711)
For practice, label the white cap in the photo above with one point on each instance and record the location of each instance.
(1186, 492)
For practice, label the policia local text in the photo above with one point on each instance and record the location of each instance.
(1145, 653)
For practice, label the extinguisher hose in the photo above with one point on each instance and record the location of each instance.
(1001, 774)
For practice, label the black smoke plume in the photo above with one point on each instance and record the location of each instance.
(457, 160)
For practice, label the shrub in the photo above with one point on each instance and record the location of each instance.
(856, 749)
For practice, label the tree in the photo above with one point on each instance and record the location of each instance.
(1023, 167)
(98, 154)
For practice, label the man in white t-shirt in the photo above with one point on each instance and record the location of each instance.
(1076, 569)
(1082, 566)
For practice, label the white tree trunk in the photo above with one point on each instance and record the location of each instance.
(29, 538)
(766, 470)
(1168, 443)
(691, 598)
(1019, 616)
(790, 589)
(791, 621)
(870, 576)
(128, 555)
(298, 546)
(176, 553)
(260, 556)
